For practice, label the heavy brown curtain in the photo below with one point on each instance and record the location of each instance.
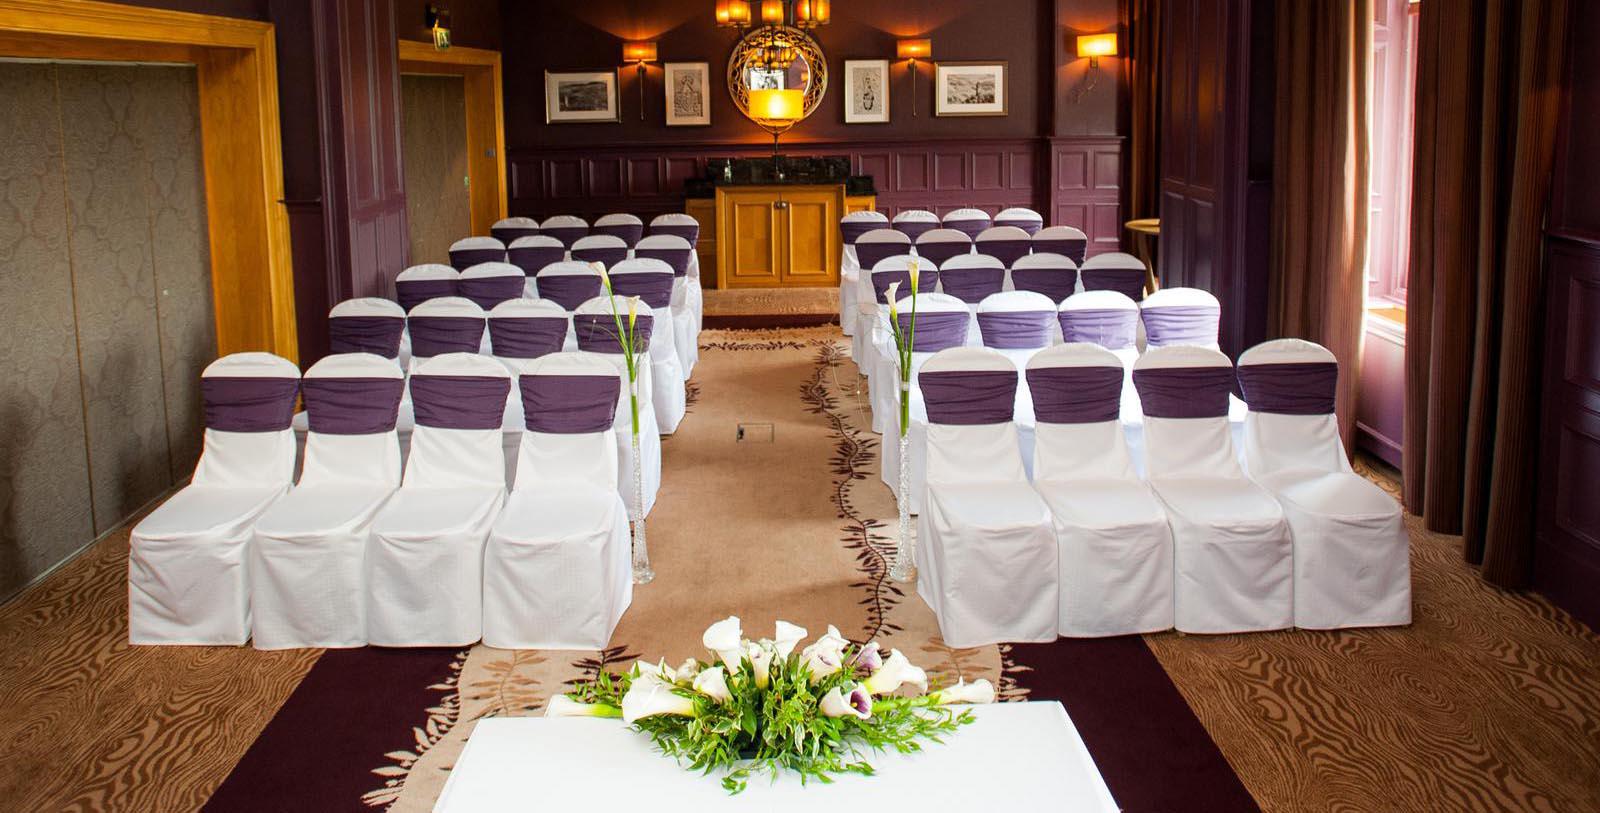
(1488, 99)
(1319, 212)
(1143, 197)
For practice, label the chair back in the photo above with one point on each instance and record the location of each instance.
(249, 410)
(676, 224)
(971, 277)
(569, 283)
(1022, 217)
(596, 325)
(940, 245)
(420, 283)
(352, 402)
(969, 221)
(1068, 241)
(898, 269)
(1290, 386)
(1180, 316)
(451, 324)
(489, 284)
(878, 245)
(914, 222)
(625, 226)
(1004, 243)
(528, 328)
(509, 230)
(460, 403)
(668, 248)
(569, 404)
(532, 254)
(1016, 320)
(605, 249)
(942, 322)
(1184, 392)
(1054, 275)
(648, 279)
(469, 251)
(566, 228)
(369, 324)
(1104, 318)
(970, 394)
(855, 224)
(1077, 397)
(1114, 271)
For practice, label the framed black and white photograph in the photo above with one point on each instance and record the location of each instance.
(970, 89)
(768, 79)
(866, 85)
(688, 88)
(580, 97)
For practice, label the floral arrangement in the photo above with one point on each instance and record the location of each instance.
(905, 552)
(763, 707)
(628, 340)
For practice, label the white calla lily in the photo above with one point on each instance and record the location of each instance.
(563, 706)
(913, 270)
(870, 658)
(894, 310)
(713, 684)
(605, 279)
(895, 672)
(760, 656)
(857, 703)
(978, 691)
(821, 663)
(651, 698)
(688, 670)
(786, 638)
(726, 639)
(658, 672)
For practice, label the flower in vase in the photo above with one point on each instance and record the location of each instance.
(825, 655)
(894, 310)
(913, 270)
(895, 672)
(978, 691)
(760, 656)
(725, 639)
(869, 659)
(837, 704)
(563, 706)
(713, 684)
(651, 698)
(786, 638)
(605, 279)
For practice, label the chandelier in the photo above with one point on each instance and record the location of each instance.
(794, 13)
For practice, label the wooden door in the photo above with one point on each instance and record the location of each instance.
(810, 248)
(434, 151)
(749, 238)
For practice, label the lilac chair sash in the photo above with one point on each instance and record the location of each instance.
(678, 258)
(971, 228)
(1073, 249)
(437, 335)
(1006, 251)
(597, 332)
(568, 290)
(686, 231)
(526, 337)
(366, 334)
(463, 258)
(870, 254)
(506, 234)
(939, 330)
(608, 256)
(352, 406)
(1027, 224)
(940, 251)
(1181, 324)
(1076, 394)
(971, 285)
(532, 259)
(654, 289)
(1126, 281)
(852, 230)
(630, 233)
(1302, 388)
(1015, 330)
(914, 228)
(969, 397)
(566, 234)
(414, 292)
(488, 292)
(1184, 392)
(927, 282)
(248, 403)
(1056, 283)
(1111, 328)
(459, 401)
(569, 404)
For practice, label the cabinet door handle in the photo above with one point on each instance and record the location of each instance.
(780, 204)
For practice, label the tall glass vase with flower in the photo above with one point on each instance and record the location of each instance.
(905, 562)
(627, 325)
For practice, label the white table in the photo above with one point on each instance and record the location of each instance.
(1018, 755)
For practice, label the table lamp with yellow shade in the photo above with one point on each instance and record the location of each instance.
(776, 111)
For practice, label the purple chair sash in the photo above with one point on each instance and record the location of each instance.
(686, 231)
(1111, 328)
(969, 397)
(1301, 388)
(1056, 283)
(870, 254)
(413, 292)
(437, 335)
(463, 258)
(1076, 394)
(568, 290)
(678, 258)
(488, 292)
(459, 401)
(1006, 251)
(1072, 249)
(1015, 330)
(971, 228)
(1126, 281)
(366, 334)
(654, 289)
(607, 256)
(938, 330)
(506, 234)
(927, 282)
(248, 403)
(1184, 392)
(533, 259)
(942, 250)
(630, 233)
(569, 404)
(526, 337)
(1029, 225)
(352, 406)
(851, 230)
(914, 228)
(597, 332)
(971, 285)
(1181, 324)
(566, 234)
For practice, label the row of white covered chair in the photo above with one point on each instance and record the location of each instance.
(1201, 544)
(363, 550)
(570, 228)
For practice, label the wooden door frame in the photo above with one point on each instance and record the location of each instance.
(252, 280)
(486, 137)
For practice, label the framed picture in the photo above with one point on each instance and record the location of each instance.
(970, 89)
(580, 97)
(688, 88)
(866, 85)
(768, 79)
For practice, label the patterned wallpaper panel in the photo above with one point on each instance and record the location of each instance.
(105, 289)
(434, 151)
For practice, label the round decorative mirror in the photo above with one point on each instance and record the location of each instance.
(777, 57)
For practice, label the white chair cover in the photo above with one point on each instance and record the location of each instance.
(557, 571)
(687, 306)
(569, 283)
(308, 557)
(1352, 558)
(1115, 545)
(628, 227)
(1233, 558)
(970, 278)
(1110, 320)
(532, 254)
(1180, 316)
(668, 397)
(449, 324)
(880, 351)
(685, 226)
(188, 577)
(420, 283)
(851, 227)
(600, 248)
(489, 284)
(1018, 324)
(1005, 243)
(871, 248)
(510, 229)
(940, 245)
(912, 223)
(602, 341)
(566, 228)
(1022, 217)
(986, 553)
(522, 329)
(968, 220)
(469, 251)
(1115, 271)
(1054, 275)
(1068, 241)
(653, 281)
(936, 331)
(425, 556)
(367, 324)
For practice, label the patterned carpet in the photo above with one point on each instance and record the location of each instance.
(1489, 701)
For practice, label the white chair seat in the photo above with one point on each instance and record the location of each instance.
(199, 510)
(424, 513)
(1104, 505)
(1233, 557)
(308, 567)
(1339, 494)
(990, 506)
(1219, 503)
(309, 513)
(986, 564)
(425, 566)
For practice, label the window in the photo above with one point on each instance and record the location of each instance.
(1394, 90)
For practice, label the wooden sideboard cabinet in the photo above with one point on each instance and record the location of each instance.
(772, 236)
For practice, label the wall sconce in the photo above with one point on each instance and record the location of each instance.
(438, 22)
(639, 53)
(733, 13)
(914, 50)
(772, 12)
(1092, 47)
